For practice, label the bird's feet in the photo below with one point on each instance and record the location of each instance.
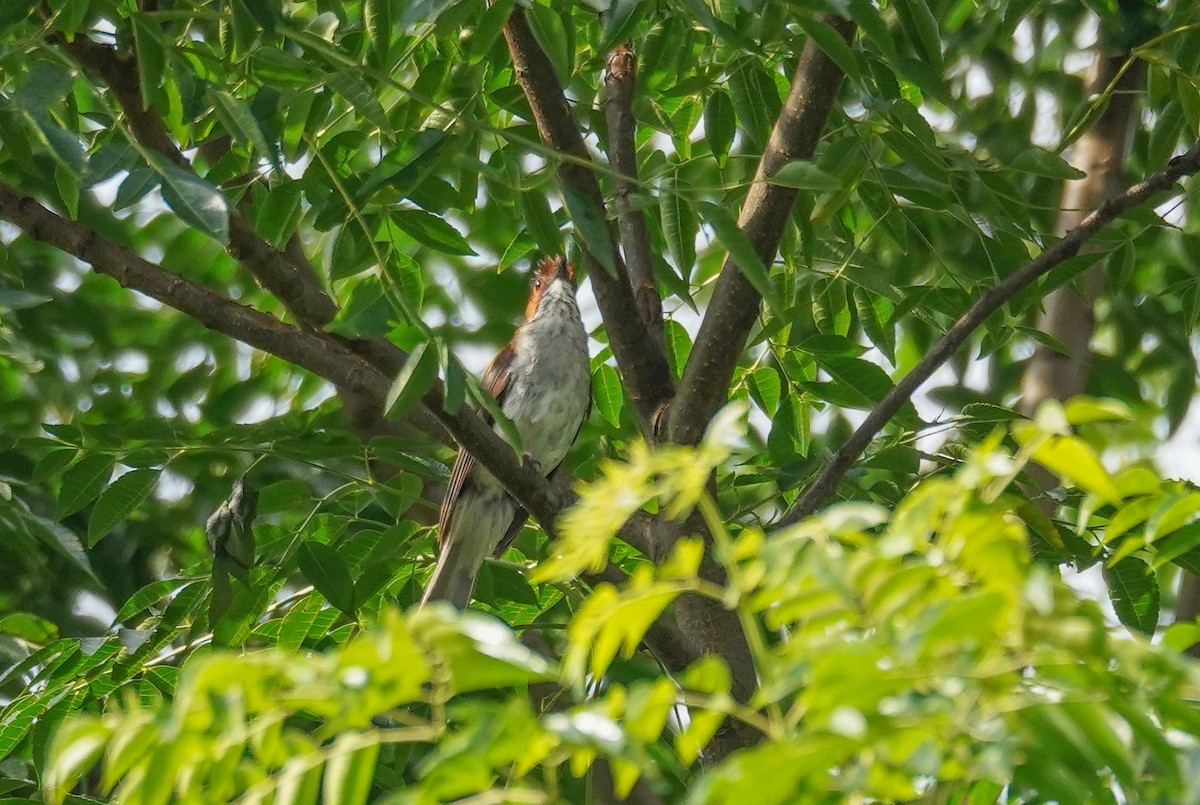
(532, 463)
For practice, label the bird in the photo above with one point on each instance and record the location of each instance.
(542, 382)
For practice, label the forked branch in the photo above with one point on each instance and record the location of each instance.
(735, 302)
(647, 376)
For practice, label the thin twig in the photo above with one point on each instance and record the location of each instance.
(735, 302)
(826, 483)
(621, 80)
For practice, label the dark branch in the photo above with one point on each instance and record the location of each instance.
(644, 367)
(295, 285)
(735, 303)
(621, 81)
(316, 352)
(289, 275)
(1069, 246)
(343, 362)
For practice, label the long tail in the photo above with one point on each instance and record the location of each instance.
(477, 526)
(454, 577)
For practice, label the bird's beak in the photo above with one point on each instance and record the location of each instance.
(563, 270)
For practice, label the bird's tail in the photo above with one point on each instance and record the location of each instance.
(457, 568)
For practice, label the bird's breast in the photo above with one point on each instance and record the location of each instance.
(550, 387)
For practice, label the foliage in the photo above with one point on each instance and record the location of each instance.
(926, 655)
(916, 638)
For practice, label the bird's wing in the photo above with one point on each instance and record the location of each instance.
(495, 383)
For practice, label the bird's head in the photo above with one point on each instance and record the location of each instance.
(553, 279)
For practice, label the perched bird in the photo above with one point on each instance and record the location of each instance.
(542, 382)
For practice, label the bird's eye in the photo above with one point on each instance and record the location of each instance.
(537, 283)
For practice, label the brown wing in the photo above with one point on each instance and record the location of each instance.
(495, 382)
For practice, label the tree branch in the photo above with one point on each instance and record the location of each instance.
(1069, 246)
(342, 361)
(288, 275)
(647, 376)
(621, 80)
(295, 285)
(735, 303)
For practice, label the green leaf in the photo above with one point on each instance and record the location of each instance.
(1135, 594)
(83, 482)
(741, 250)
(134, 187)
(608, 394)
(720, 124)
(279, 214)
(263, 11)
(118, 501)
(15, 11)
(280, 68)
(804, 175)
(487, 30)
(1075, 461)
(831, 42)
(405, 276)
(423, 11)
(454, 393)
(876, 30)
(151, 59)
(351, 254)
(874, 314)
(326, 571)
(431, 231)
(592, 229)
(922, 29)
(535, 212)
(869, 383)
(239, 121)
(377, 19)
(194, 200)
(415, 378)
(551, 34)
(358, 94)
(65, 147)
(679, 225)
(308, 619)
(679, 346)
(755, 99)
(765, 388)
(26, 626)
(1040, 162)
(366, 312)
(148, 596)
(75, 749)
(67, 184)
